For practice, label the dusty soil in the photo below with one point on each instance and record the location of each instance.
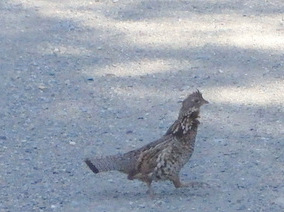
(99, 77)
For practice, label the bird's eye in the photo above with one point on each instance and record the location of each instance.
(196, 100)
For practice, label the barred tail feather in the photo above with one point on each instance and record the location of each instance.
(91, 166)
(109, 163)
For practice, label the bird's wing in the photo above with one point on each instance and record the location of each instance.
(148, 158)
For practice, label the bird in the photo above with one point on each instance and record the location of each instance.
(161, 159)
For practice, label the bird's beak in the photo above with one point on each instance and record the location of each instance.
(205, 102)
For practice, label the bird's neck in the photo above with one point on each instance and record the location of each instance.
(185, 125)
(189, 124)
(189, 131)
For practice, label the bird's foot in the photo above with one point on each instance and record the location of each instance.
(195, 185)
(151, 193)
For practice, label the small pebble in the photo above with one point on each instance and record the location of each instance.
(129, 132)
(42, 87)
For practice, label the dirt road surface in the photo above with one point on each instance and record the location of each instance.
(100, 77)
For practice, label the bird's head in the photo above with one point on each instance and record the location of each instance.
(192, 104)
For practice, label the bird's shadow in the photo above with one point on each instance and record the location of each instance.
(159, 193)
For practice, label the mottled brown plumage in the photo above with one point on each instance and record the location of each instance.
(161, 159)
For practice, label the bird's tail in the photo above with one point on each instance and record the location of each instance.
(114, 162)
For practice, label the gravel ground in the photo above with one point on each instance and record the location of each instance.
(99, 77)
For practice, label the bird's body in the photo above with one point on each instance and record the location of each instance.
(161, 159)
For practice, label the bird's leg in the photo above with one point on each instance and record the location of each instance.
(178, 184)
(150, 189)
